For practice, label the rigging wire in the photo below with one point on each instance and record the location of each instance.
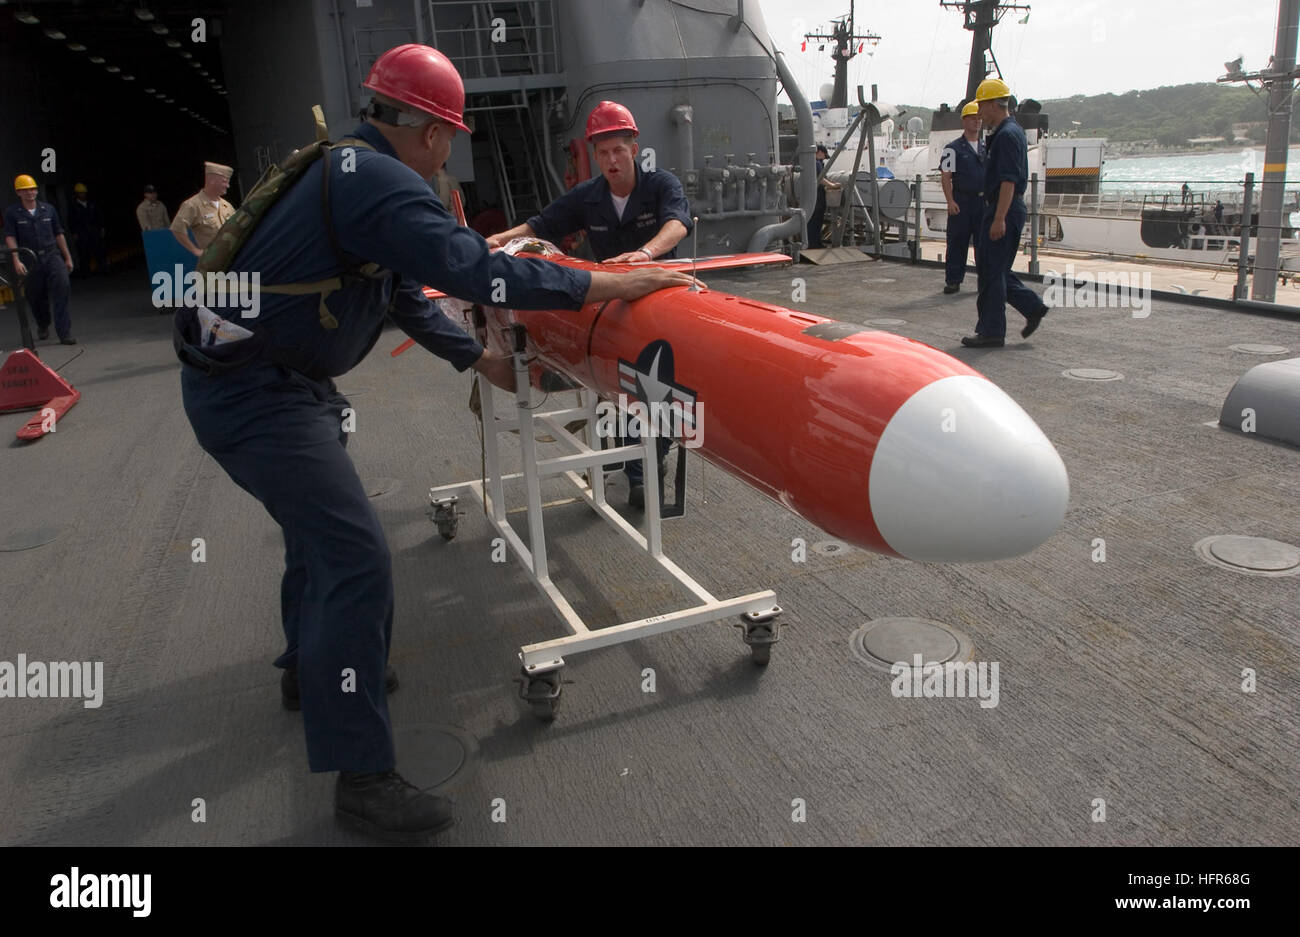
(938, 21)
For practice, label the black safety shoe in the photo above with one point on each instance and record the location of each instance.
(1031, 324)
(982, 341)
(43, 334)
(68, 341)
(290, 698)
(389, 807)
(951, 288)
(636, 497)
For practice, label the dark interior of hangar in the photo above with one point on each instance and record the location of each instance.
(129, 92)
(100, 96)
(118, 95)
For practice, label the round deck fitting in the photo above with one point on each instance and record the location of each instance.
(1092, 374)
(433, 756)
(887, 321)
(16, 540)
(829, 547)
(378, 487)
(1251, 348)
(1254, 556)
(884, 642)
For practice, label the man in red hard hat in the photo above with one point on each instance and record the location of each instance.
(265, 406)
(629, 214)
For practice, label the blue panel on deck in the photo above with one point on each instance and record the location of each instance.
(162, 253)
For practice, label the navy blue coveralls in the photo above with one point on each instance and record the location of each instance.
(1006, 160)
(275, 426)
(85, 223)
(968, 192)
(47, 278)
(656, 198)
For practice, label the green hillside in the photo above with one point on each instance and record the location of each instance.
(1170, 115)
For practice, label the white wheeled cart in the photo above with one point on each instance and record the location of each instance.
(542, 663)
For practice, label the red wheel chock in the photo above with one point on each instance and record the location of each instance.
(28, 383)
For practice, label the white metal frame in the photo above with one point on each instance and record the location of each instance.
(545, 656)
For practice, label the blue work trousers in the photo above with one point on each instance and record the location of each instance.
(46, 285)
(279, 435)
(963, 231)
(997, 284)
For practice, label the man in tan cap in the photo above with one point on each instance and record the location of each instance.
(151, 213)
(201, 215)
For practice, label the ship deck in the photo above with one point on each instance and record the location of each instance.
(1119, 680)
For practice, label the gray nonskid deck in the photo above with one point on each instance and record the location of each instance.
(1119, 680)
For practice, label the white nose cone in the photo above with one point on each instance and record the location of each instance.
(963, 475)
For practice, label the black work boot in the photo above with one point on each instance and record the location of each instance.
(389, 807)
(291, 699)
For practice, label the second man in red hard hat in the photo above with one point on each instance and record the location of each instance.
(629, 214)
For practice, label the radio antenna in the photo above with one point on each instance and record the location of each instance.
(695, 253)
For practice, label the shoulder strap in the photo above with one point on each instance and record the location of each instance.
(328, 286)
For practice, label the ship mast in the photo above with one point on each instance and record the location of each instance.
(981, 16)
(845, 38)
(1279, 80)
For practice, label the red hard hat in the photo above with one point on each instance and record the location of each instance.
(422, 77)
(608, 117)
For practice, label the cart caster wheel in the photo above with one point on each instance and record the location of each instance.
(542, 693)
(760, 630)
(444, 515)
(545, 709)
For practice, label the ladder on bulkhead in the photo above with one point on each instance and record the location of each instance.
(516, 155)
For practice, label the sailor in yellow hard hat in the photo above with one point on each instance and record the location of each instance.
(962, 172)
(201, 215)
(34, 224)
(1006, 175)
(87, 227)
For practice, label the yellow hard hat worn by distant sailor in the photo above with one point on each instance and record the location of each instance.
(970, 110)
(991, 89)
(24, 182)
(80, 188)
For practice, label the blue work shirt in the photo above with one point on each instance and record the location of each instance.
(656, 198)
(35, 232)
(967, 168)
(383, 213)
(1006, 160)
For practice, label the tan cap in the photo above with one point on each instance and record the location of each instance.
(217, 169)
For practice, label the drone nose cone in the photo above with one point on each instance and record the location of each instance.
(962, 475)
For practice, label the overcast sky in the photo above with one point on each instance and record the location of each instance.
(1068, 46)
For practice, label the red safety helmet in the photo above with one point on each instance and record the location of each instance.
(609, 117)
(422, 77)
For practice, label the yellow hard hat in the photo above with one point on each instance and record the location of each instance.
(992, 88)
(24, 182)
(970, 110)
(79, 187)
